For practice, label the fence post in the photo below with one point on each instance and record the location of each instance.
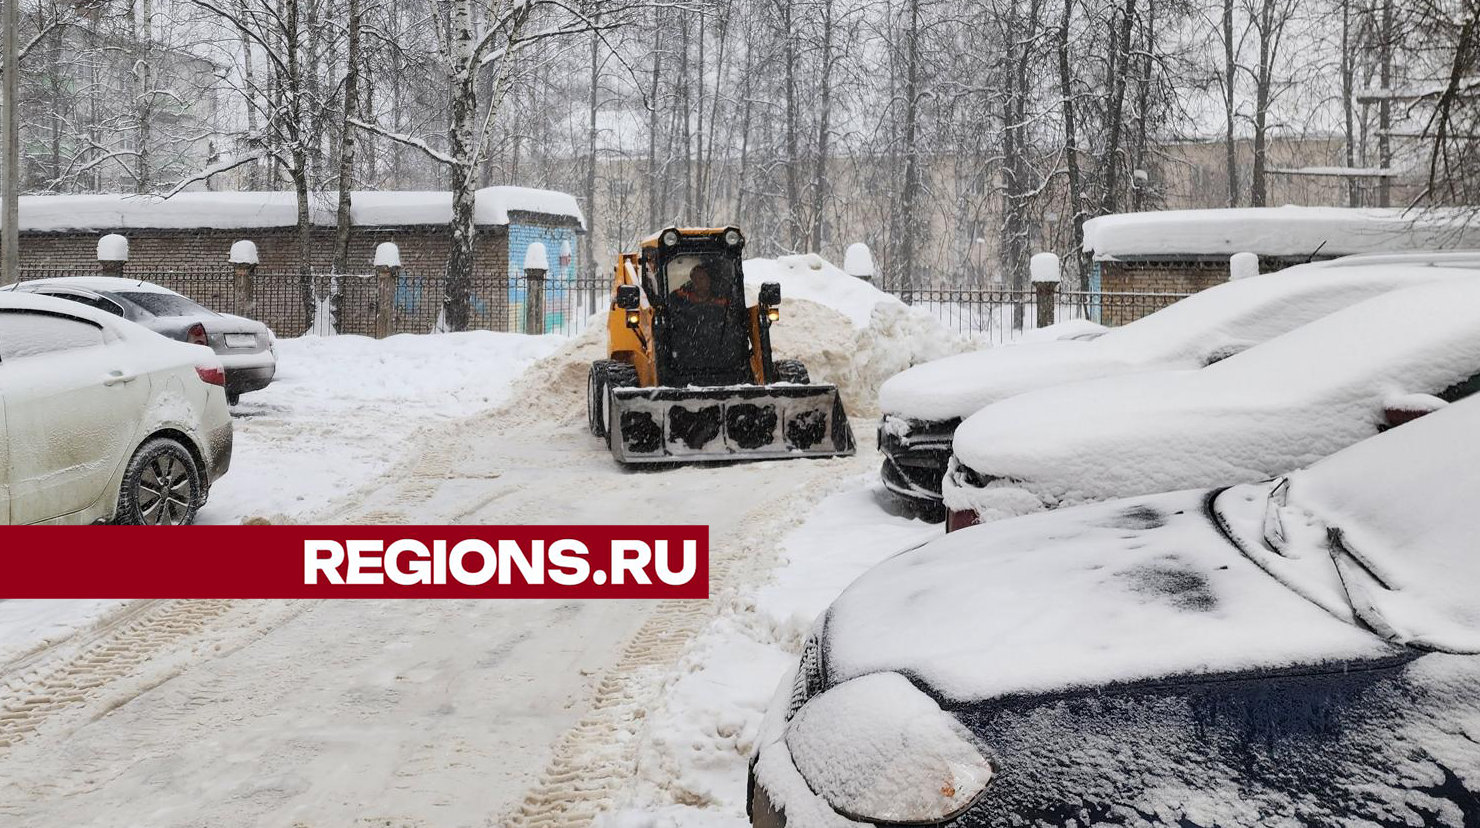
(243, 260)
(1044, 269)
(536, 265)
(112, 254)
(387, 275)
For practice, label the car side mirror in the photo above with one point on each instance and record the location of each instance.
(1406, 408)
(770, 293)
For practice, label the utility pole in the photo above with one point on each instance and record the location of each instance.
(10, 254)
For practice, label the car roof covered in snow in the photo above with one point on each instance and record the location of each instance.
(249, 210)
(101, 284)
(19, 300)
(1276, 231)
(1233, 314)
(1275, 407)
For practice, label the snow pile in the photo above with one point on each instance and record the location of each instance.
(112, 248)
(1276, 231)
(245, 252)
(858, 261)
(811, 277)
(695, 745)
(246, 210)
(387, 254)
(553, 389)
(341, 405)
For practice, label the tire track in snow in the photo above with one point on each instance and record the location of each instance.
(48, 687)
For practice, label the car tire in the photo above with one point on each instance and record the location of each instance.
(793, 371)
(162, 486)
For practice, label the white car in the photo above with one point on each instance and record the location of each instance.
(1275, 407)
(102, 420)
(923, 406)
(246, 347)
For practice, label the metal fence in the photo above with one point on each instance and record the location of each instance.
(350, 304)
(1004, 315)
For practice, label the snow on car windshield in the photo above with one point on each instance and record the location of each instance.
(166, 304)
(1404, 503)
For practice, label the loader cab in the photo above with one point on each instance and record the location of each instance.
(701, 327)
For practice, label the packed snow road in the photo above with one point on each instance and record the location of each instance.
(398, 712)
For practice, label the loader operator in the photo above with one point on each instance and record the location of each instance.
(708, 338)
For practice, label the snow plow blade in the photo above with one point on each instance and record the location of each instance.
(739, 422)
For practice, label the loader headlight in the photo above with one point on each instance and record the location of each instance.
(732, 237)
(670, 238)
(879, 750)
(773, 314)
(632, 319)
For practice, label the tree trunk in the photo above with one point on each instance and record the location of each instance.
(909, 197)
(1230, 70)
(793, 116)
(1071, 147)
(347, 140)
(1385, 108)
(1348, 70)
(461, 148)
(1121, 54)
(824, 105)
(592, 104)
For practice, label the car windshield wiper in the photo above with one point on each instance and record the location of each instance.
(1274, 525)
(1357, 580)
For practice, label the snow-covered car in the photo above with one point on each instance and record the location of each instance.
(246, 346)
(104, 420)
(1304, 651)
(1275, 407)
(923, 406)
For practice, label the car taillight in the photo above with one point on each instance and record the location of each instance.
(211, 375)
(196, 335)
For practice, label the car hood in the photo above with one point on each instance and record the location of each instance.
(1145, 589)
(1160, 431)
(960, 385)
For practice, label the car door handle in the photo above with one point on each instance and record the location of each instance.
(119, 378)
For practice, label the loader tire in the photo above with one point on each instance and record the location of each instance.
(793, 371)
(596, 384)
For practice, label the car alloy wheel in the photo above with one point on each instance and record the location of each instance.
(162, 486)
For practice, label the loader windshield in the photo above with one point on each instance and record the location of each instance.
(708, 340)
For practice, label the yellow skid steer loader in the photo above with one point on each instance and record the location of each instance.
(689, 374)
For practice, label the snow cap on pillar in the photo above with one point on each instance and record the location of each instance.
(112, 248)
(1044, 268)
(565, 253)
(535, 258)
(1243, 265)
(387, 254)
(858, 261)
(243, 252)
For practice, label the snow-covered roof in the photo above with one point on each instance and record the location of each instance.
(248, 210)
(1276, 231)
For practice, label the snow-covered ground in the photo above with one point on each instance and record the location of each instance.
(462, 713)
(341, 409)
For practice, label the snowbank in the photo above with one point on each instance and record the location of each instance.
(247, 210)
(811, 277)
(1275, 231)
(341, 406)
(696, 743)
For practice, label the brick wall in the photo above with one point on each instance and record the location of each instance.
(1166, 276)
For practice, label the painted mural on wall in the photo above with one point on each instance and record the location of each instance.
(560, 244)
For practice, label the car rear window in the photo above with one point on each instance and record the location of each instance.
(25, 333)
(165, 304)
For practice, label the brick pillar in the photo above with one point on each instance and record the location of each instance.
(243, 261)
(112, 254)
(387, 277)
(1044, 268)
(534, 300)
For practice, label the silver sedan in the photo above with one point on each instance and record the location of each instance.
(245, 346)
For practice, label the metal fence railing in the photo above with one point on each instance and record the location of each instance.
(350, 304)
(1002, 315)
